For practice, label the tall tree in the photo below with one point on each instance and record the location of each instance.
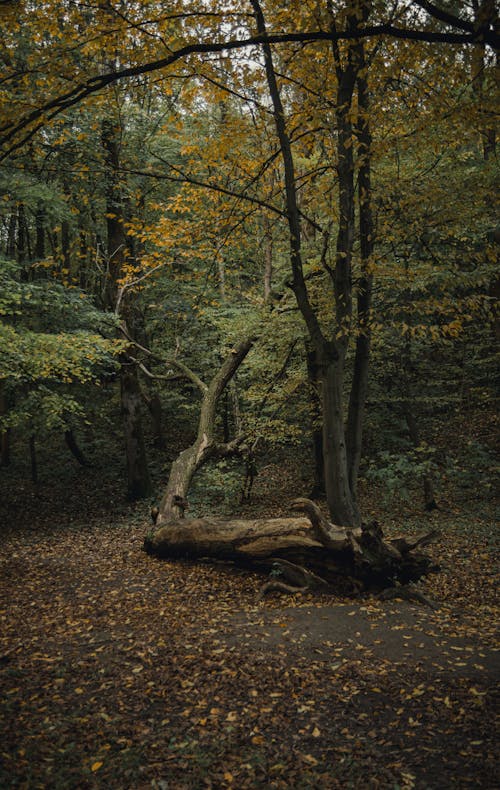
(341, 458)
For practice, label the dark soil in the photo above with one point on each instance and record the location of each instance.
(121, 671)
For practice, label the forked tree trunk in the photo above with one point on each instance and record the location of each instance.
(205, 446)
(340, 472)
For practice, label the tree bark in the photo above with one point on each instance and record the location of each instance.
(156, 411)
(205, 446)
(359, 385)
(138, 478)
(341, 504)
(484, 12)
(341, 452)
(310, 552)
(74, 447)
(316, 431)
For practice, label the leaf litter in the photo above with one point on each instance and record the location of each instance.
(121, 671)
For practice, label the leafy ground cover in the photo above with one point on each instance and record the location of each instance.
(118, 670)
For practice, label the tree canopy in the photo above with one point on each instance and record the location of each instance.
(319, 177)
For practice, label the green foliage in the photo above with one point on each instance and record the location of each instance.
(475, 470)
(217, 487)
(398, 474)
(51, 339)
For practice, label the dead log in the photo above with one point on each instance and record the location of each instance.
(303, 553)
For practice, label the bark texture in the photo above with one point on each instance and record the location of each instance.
(205, 446)
(303, 551)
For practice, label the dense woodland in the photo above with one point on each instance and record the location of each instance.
(249, 267)
(327, 206)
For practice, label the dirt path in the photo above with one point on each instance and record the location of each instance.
(120, 671)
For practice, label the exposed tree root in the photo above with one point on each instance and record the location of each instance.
(408, 594)
(275, 586)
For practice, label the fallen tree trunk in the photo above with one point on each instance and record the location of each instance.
(302, 552)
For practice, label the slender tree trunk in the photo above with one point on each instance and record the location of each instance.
(40, 232)
(22, 235)
(412, 423)
(317, 430)
(33, 460)
(359, 385)
(330, 355)
(231, 416)
(10, 245)
(74, 448)
(138, 479)
(66, 247)
(268, 259)
(139, 484)
(414, 433)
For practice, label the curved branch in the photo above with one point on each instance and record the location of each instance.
(94, 84)
(444, 16)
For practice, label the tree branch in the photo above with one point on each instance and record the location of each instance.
(46, 112)
(444, 16)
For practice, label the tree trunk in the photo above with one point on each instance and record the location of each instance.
(10, 242)
(268, 259)
(484, 12)
(341, 503)
(205, 446)
(40, 220)
(340, 472)
(138, 480)
(414, 433)
(312, 549)
(74, 448)
(359, 385)
(317, 430)
(33, 460)
(156, 411)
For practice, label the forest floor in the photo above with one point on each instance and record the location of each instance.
(118, 670)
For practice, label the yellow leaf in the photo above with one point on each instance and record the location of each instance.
(316, 733)
(95, 767)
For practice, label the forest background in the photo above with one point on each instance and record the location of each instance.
(248, 252)
(326, 202)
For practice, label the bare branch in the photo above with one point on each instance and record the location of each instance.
(186, 372)
(123, 288)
